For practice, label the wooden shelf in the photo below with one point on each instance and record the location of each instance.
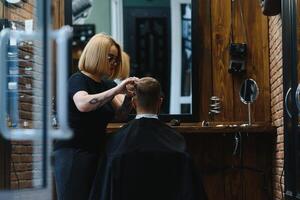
(215, 128)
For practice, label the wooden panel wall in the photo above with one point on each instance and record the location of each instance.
(246, 175)
(215, 20)
(205, 56)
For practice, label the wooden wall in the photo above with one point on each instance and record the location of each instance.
(214, 79)
(247, 175)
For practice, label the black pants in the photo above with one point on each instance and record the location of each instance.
(75, 170)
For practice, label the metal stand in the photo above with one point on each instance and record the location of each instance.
(249, 114)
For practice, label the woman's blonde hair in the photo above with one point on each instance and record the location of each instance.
(124, 73)
(94, 58)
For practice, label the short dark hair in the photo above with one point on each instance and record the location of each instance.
(148, 92)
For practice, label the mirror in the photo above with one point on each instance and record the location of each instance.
(248, 94)
(157, 35)
(249, 91)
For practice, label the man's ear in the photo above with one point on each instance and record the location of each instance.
(161, 99)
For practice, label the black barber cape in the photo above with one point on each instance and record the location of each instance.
(146, 160)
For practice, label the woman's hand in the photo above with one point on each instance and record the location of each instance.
(127, 86)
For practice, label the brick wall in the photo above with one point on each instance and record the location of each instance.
(21, 165)
(276, 82)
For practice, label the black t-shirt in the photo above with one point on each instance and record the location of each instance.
(88, 127)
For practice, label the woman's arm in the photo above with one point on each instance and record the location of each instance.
(86, 102)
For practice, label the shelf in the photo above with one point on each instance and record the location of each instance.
(216, 128)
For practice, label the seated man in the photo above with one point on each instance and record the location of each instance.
(146, 159)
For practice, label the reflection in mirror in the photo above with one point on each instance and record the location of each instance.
(156, 34)
(248, 94)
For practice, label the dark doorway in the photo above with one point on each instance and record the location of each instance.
(147, 40)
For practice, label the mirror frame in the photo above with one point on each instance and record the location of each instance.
(290, 82)
(257, 91)
(194, 117)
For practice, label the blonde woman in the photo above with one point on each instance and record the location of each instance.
(94, 101)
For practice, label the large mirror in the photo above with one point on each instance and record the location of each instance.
(157, 35)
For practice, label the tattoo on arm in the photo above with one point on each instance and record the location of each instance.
(94, 101)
